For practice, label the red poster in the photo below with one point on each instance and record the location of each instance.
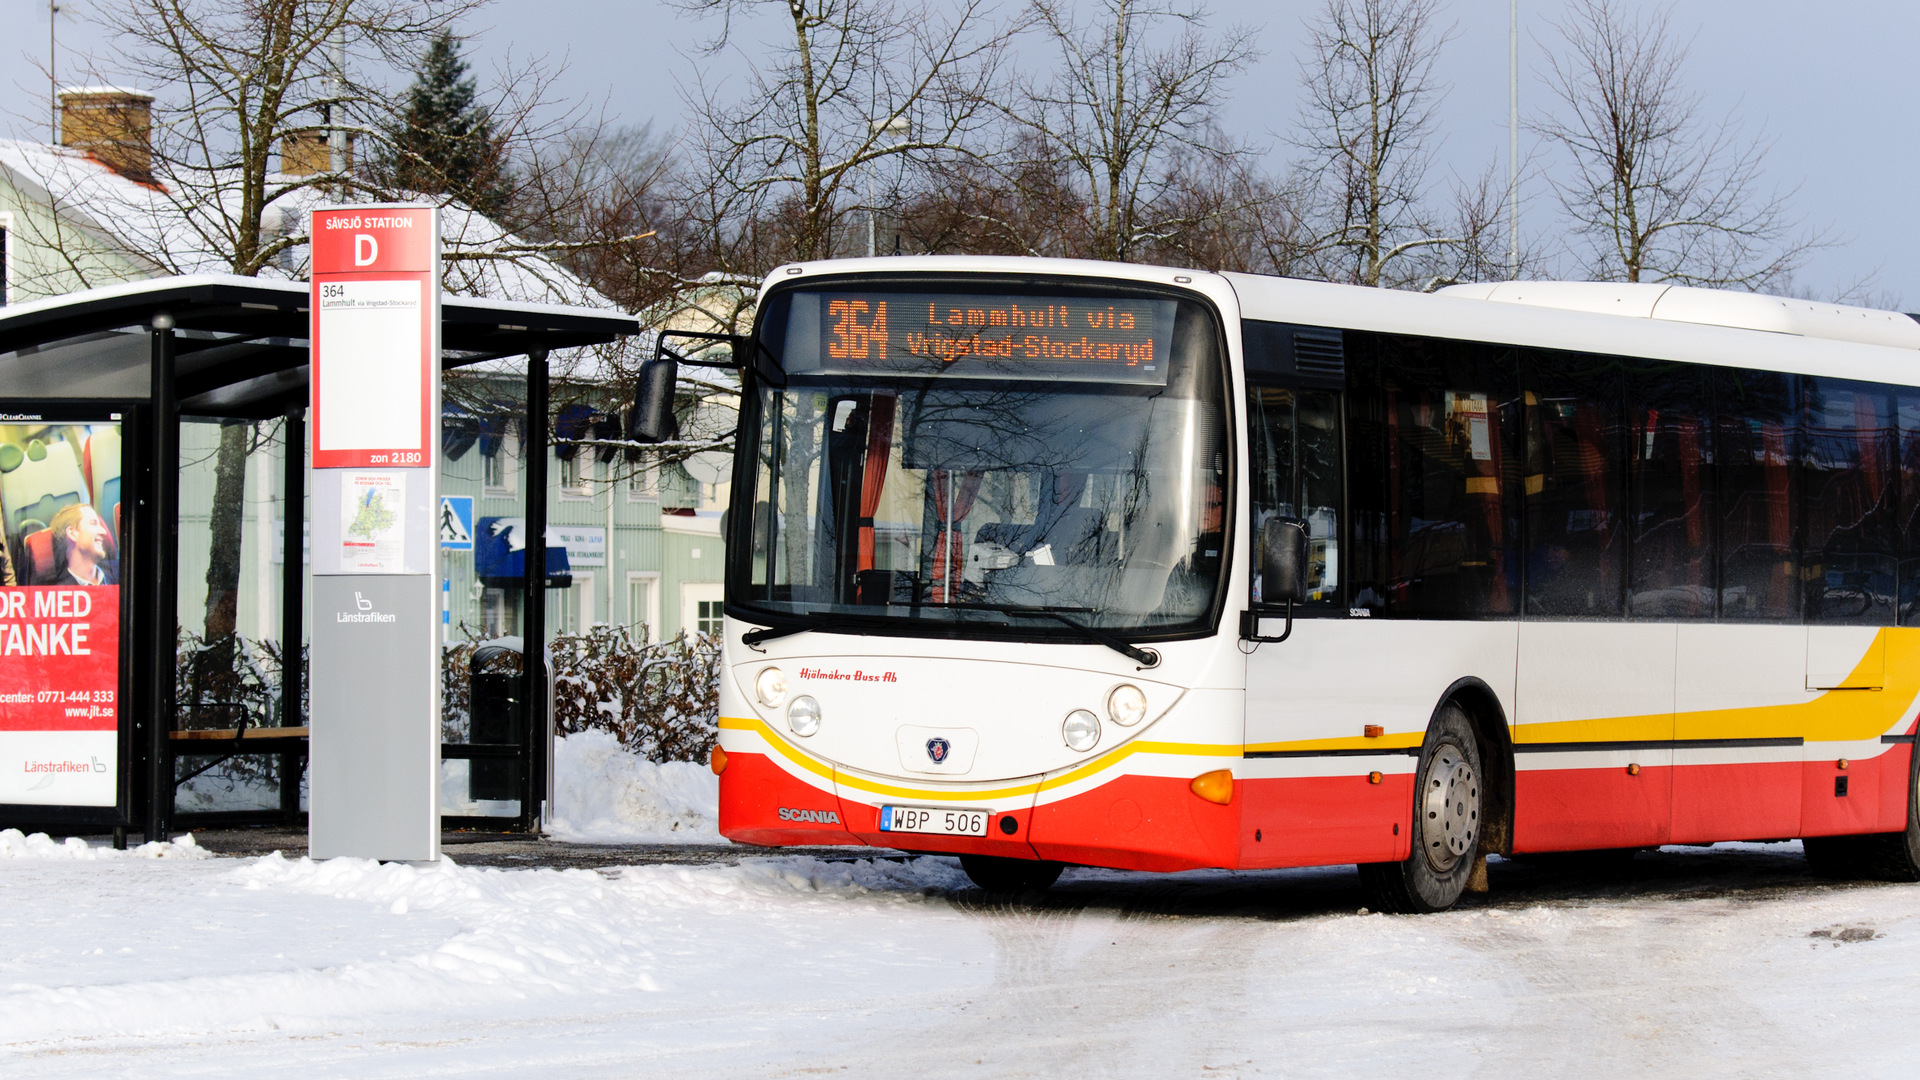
(59, 694)
(59, 658)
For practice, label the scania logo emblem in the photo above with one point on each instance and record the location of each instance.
(937, 749)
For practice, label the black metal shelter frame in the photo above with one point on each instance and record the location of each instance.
(236, 348)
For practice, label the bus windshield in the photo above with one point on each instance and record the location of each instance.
(980, 460)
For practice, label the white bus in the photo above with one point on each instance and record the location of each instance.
(1048, 562)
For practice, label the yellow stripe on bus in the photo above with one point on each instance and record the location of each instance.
(1097, 765)
(1852, 715)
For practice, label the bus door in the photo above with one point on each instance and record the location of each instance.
(1309, 692)
(1594, 691)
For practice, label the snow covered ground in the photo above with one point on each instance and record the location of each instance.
(164, 962)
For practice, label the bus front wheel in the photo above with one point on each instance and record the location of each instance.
(1880, 856)
(1447, 805)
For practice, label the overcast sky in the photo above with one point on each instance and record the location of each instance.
(1832, 84)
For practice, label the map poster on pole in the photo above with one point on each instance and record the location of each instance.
(373, 522)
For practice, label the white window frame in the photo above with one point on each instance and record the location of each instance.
(582, 488)
(651, 616)
(691, 593)
(576, 604)
(643, 484)
(508, 456)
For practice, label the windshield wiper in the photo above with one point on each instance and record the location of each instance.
(1146, 658)
(829, 621)
(825, 621)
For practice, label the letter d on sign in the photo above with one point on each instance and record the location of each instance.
(365, 249)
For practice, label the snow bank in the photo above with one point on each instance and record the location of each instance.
(605, 795)
(15, 845)
(430, 941)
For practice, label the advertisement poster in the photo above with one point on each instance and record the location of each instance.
(59, 612)
(373, 522)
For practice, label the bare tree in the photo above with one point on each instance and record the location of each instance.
(1365, 130)
(233, 83)
(854, 87)
(1136, 88)
(1656, 191)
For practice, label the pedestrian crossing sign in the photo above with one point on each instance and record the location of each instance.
(456, 523)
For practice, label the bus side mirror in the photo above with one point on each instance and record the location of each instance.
(1283, 561)
(652, 419)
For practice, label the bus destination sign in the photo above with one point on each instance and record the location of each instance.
(1077, 338)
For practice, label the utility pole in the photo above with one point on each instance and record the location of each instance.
(1513, 139)
(53, 81)
(336, 113)
(898, 127)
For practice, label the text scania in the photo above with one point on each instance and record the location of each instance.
(817, 817)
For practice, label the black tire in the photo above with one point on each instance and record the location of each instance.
(1449, 795)
(1891, 856)
(998, 874)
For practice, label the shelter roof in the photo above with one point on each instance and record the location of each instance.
(241, 345)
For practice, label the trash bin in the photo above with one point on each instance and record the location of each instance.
(498, 716)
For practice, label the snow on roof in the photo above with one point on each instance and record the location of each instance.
(127, 91)
(180, 232)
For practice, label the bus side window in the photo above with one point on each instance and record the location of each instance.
(1848, 484)
(1296, 471)
(1575, 493)
(1434, 490)
(1670, 485)
(1908, 525)
(1756, 440)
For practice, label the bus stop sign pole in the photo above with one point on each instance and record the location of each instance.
(374, 492)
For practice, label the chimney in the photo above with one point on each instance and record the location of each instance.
(305, 153)
(113, 125)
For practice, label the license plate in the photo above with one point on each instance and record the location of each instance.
(927, 819)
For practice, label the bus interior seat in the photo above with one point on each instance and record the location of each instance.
(1079, 536)
(101, 461)
(47, 479)
(36, 558)
(1011, 535)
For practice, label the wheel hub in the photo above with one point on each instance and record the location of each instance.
(1449, 808)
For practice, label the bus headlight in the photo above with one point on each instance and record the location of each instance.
(803, 716)
(1081, 730)
(1127, 705)
(771, 687)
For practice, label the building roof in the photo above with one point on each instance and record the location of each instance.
(241, 345)
(164, 231)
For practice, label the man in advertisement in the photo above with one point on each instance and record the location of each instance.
(81, 551)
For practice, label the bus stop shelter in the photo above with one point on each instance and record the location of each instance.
(94, 387)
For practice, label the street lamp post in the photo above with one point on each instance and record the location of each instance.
(897, 127)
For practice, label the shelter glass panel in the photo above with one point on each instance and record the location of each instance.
(230, 658)
(482, 701)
